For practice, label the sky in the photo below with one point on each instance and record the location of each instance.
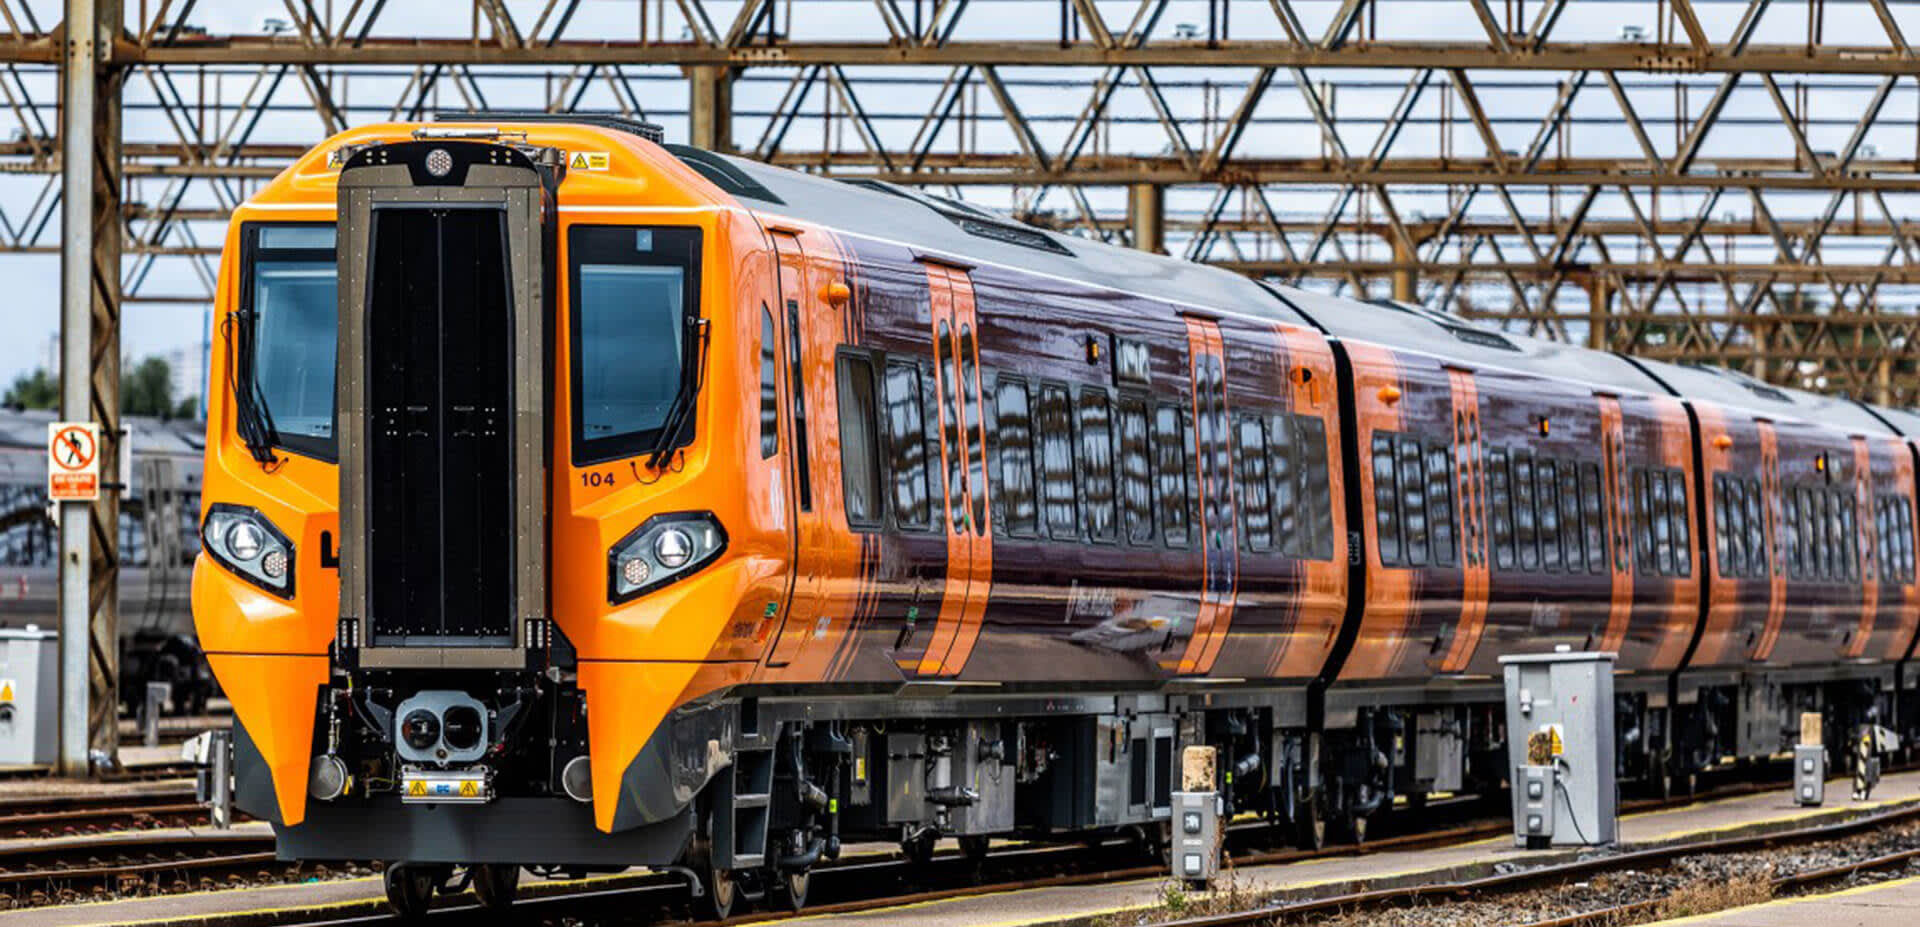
(29, 311)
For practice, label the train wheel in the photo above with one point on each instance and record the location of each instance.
(918, 849)
(718, 895)
(793, 885)
(1309, 825)
(410, 889)
(974, 848)
(496, 884)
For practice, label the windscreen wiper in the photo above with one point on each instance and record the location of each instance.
(252, 420)
(692, 377)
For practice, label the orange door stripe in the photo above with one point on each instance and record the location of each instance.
(1470, 502)
(1619, 539)
(1867, 534)
(953, 593)
(979, 540)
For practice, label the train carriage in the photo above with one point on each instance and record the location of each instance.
(587, 501)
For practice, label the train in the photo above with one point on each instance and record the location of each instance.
(159, 539)
(581, 501)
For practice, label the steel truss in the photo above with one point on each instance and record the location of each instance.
(1687, 179)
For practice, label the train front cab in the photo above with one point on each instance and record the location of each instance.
(435, 589)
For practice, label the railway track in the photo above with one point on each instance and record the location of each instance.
(1442, 895)
(72, 867)
(69, 815)
(864, 883)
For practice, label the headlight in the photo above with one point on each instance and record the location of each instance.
(661, 551)
(245, 542)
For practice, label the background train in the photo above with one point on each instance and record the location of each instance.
(588, 501)
(159, 538)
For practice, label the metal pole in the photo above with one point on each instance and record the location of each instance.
(1146, 216)
(79, 65)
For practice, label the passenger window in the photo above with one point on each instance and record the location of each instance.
(1662, 526)
(1317, 491)
(1790, 526)
(1644, 561)
(1757, 565)
(1021, 511)
(798, 390)
(950, 429)
(1593, 507)
(769, 386)
(1294, 541)
(1722, 546)
(1440, 521)
(1523, 512)
(1136, 470)
(1256, 511)
(1682, 536)
(859, 451)
(1571, 535)
(1413, 501)
(974, 429)
(907, 445)
(1056, 463)
(1096, 463)
(1547, 474)
(1170, 466)
(1849, 534)
(1500, 506)
(1386, 499)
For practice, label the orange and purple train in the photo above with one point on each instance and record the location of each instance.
(576, 501)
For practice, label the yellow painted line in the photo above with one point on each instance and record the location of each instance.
(1787, 902)
(379, 898)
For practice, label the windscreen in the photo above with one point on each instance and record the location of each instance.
(291, 288)
(633, 291)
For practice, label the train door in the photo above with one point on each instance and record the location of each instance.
(963, 468)
(1212, 463)
(809, 533)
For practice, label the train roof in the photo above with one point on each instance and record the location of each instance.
(1414, 328)
(971, 235)
(1904, 421)
(1734, 389)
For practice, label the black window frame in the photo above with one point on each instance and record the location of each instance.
(1015, 453)
(245, 334)
(901, 477)
(580, 250)
(1384, 449)
(1052, 434)
(1172, 489)
(1089, 478)
(844, 376)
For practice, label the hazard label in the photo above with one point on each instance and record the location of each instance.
(589, 161)
(417, 787)
(6, 690)
(73, 461)
(1554, 744)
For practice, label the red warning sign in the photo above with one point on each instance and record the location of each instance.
(73, 461)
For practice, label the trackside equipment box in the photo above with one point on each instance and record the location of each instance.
(1560, 745)
(29, 697)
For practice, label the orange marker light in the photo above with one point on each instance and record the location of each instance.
(1545, 426)
(1389, 394)
(836, 293)
(1722, 442)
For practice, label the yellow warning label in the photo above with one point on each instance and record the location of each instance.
(416, 787)
(1556, 746)
(589, 161)
(469, 789)
(6, 690)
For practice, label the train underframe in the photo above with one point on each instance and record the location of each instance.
(745, 795)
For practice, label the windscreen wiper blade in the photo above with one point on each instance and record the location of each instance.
(252, 420)
(692, 377)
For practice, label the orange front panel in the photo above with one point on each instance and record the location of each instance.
(1619, 540)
